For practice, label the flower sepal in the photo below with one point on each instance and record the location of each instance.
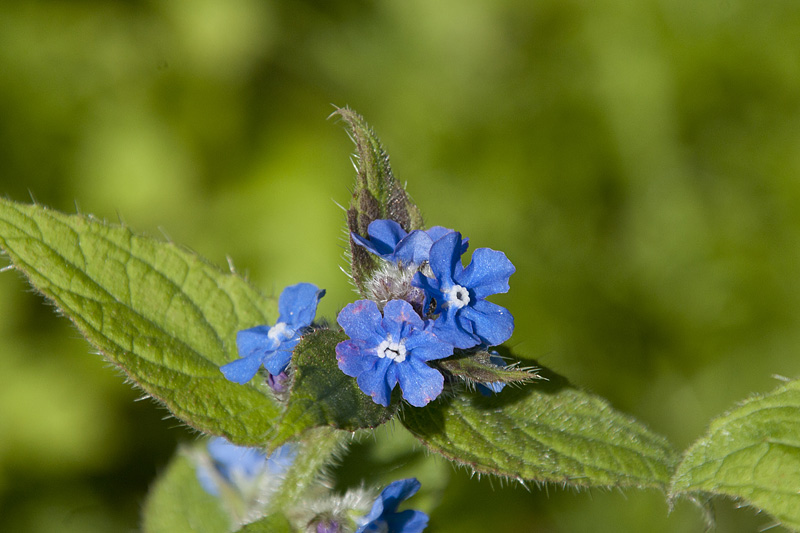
(486, 369)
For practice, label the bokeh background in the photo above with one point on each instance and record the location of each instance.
(637, 161)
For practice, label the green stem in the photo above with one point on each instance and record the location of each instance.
(317, 449)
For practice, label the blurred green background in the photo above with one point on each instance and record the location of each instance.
(639, 162)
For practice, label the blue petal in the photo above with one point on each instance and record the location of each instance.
(487, 274)
(491, 322)
(290, 344)
(493, 387)
(437, 232)
(282, 458)
(255, 341)
(429, 286)
(490, 388)
(445, 258)
(361, 241)
(426, 346)
(383, 237)
(229, 458)
(207, 480)
(362, 320)
(397, 491)
(409, 521)
(353, 358)
(373, 515)
(414, 248)
(420, 383)
(277, 361)
(388, 232)
(242, 370)
(379, 382)
(399, 312)
(450, 328)
(298, 304)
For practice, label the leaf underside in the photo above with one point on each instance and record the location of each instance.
(544, 432)
(751, 453)
(161, 313)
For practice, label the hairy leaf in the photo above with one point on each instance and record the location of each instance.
(546, 431)
(164, 315)
(377, 194)
(751, 453)
(322, 394)
(177, 502)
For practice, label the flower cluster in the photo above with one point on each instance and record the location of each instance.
(422, 304)
(432, 305)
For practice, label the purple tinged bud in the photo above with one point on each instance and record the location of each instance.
(278, 383)
(327, 526)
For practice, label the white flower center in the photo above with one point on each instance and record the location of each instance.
(456, 296)
(280, 332)
(396, 351)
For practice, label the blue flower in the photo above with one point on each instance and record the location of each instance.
(239, 466)
(272, 346)
(390, 241)
(384, 517)
(465, 318)
(383, 351)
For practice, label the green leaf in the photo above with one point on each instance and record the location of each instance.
(752, 454)
(377, 194)
(177, 502)
(547, 431)
(164, 315)
(274, 523)
(322, 394)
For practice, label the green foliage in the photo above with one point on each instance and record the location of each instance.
(751, 453)
(547, 432)
(161, 313)
(639, 159)
(177, 502)
(323, 395)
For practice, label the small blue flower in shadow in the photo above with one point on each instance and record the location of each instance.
(385, 350)
(390, 241)
(384, 517)
(465, 318)
(493, 387)
(272, 346)
(239, 466)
